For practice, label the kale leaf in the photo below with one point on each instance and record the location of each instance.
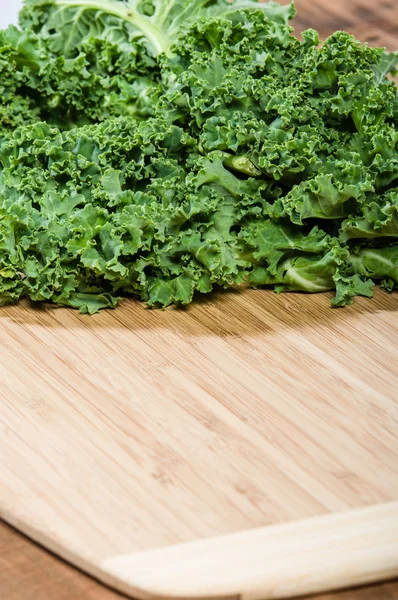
(159, 148)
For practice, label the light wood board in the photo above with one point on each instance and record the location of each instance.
(137, 429)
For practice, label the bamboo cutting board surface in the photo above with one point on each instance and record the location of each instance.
(136, 429)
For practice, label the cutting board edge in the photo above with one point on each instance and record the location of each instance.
(83, 563)
(361, 547)
(74, 558)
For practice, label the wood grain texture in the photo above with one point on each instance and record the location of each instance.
(29, 572)
(136, 429)
(271, 563)
(370, 21)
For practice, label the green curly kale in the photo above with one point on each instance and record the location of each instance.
(67, 24)
(160, 148)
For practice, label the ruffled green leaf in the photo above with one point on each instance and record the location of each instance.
(158, 148)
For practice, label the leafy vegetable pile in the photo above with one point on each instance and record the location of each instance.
(162, 147)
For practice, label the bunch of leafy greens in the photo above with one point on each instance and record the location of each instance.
(162, 147)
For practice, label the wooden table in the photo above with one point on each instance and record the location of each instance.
(28, 571)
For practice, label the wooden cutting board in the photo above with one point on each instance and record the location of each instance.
(137, 429)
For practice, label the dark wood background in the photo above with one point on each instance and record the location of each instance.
(28, 572)
(372, 21)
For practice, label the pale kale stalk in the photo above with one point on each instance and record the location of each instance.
(156, 22)
(83, 61)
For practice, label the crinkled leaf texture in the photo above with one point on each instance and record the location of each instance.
(160, 148)
(78, 62)
(111, 208)
(67, 23)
